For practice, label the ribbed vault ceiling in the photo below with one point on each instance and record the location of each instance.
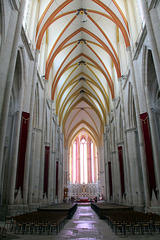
(82, 38)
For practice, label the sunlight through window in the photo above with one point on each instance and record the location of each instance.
(92, 161)
(83, 161)
(74, 162)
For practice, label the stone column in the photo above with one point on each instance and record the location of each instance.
(101, 169)
(54, 176)
(65, 166)
(29, 139)
(155, 146)
(41, 172)
(156, 27)
(140, 133)
(32, 168)
(5, 54)
(116, 157)
(106, 154)
(128, 177)
(135, 174)
(36, 157)
(51, 159)
(15, 151)
(61, 162)
(57, 150)
(55, 158)
(111, 155)
(152, 40)
(60, 170)
(9, 83)
(107, 197)
(108, 160)
(12, 62)
(115, 177)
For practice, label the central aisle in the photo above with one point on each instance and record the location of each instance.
(85, 224)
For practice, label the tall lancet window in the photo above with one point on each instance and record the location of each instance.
(92, 162)
(83, 161)
(83, 165)
(74, 162)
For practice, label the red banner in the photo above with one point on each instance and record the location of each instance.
(110, 179)
(89, 162)
(149, 156)
(46, 170)
(120, 154)
(22, 150)
(57, 178)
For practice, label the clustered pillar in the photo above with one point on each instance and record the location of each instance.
(8, 81)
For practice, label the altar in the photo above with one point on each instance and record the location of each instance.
(84, 192)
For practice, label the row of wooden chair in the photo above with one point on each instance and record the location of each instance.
(41, 222)
(2, 232)
(128, 221)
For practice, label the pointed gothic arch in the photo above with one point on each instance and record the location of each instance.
(15, 118)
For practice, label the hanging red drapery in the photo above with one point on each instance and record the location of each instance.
(149, 156)
(46, 170)
(73, 162)
(110, 179)
(120, 154)
(57, 178)
(22, 150)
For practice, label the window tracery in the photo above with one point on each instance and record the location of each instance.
(83, 161)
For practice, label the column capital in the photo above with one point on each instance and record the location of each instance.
(128, 49)
(37, 130)
(120, 143)
(37, 51)
(115, 101)
(61, 136)
(107, 128)
(50, 103)
(133, 129)
(45, 81)
(104, 136)
(122, 78)
(111, 115)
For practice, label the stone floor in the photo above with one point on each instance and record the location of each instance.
(84, 225)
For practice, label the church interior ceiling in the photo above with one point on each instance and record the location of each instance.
(83, 63)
